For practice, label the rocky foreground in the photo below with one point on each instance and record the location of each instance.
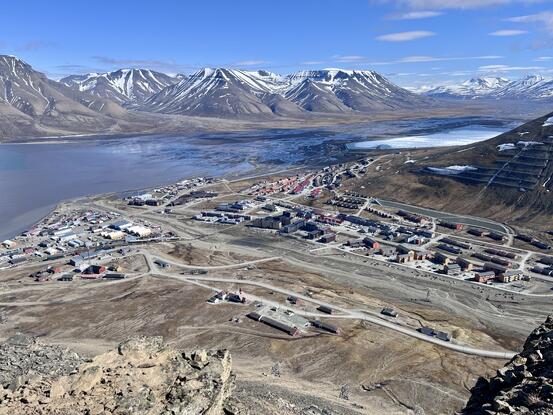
(143, 376)
(524, 385)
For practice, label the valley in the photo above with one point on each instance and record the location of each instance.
(300, 273)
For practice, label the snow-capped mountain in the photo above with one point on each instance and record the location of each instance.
(532, 87)
(124, 86)
(347, 90)
(31, 103)
(475, 87)
(223, 92)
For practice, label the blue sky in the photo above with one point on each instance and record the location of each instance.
(413, 42)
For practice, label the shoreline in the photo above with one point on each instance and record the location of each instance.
(250, 174)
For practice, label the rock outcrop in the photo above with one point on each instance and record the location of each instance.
(524, 385)
(143, 376)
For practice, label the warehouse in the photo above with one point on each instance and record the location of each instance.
(115, 276)
(139, 231)
(121, 225)
(325, 326)
(325, 309)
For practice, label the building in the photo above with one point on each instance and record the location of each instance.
(121, 225)
(387, 250)
(449, 248)
(326, 238)
(325, 326)
(403, 258)
(496, 268)
(450, 225)
(465, 264)
(452, 269)
(457, 243)
(496, 236)
(371, 243)
(115, 276)
(355, 243)
(441, 259)
(325, 309)
(289, 329)
(483, 276)
(114, 236)
(9, 244)
(162, 264)
(510, 275)
(140, 231)
(95, 269)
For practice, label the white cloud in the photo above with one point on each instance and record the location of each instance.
(348, 58)
(312, 63)
(250, 63)
(543, 58)
(405, 36)
(507, 68)
(508, 32)
(418, 59)
(415, 15)
(454, 4)
(545, 18)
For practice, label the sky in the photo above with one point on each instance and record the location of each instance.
(416, 43)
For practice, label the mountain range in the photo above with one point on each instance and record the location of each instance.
(223, 92)
(531, 87)
(123, 86)
(143, 100)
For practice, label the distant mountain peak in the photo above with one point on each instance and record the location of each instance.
(530, 87)
(124, 86)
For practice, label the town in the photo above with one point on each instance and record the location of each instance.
(100, 240)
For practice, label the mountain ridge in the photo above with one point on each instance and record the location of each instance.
(530, 87)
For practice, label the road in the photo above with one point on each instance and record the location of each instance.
(347, 314)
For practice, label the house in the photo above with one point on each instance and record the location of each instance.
(441, 259)
(403, 258)
(465, 264)
(371, 243)
(355, 243)
(329, 237)
(95, 269)
(496, 268)
(387, 250)
(452, 269)
(483, 276)
(510, 275)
